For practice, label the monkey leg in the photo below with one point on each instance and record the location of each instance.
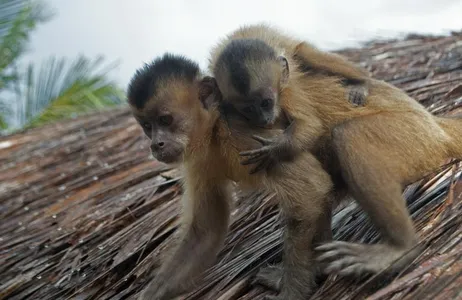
(206, 215)
(371, 170)
(270, 276)
(305, 192)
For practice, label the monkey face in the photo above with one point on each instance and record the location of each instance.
(167, 139)
(167, 123)
(163, 96)
(259, 107)
(255, 96)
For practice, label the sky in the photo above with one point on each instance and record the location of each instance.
(134, 32)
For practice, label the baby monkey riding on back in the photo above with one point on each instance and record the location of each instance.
(260, 73)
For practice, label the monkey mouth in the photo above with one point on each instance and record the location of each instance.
(167, 157)
(268, 125)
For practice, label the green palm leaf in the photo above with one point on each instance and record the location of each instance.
(56, 89)
(3, 111)
(17, 19)
(61, 89)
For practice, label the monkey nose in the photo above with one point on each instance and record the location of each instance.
(157, 146)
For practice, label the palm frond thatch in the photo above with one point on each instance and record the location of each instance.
(86, 213)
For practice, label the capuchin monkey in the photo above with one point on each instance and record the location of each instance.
(256, 67)
(392, 136)
(369, 152)
(176, 107)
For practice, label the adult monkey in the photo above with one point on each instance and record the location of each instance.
(390, 142)
(373, 150)
(164, 97)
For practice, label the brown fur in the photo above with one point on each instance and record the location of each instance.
(376, 150)
(303, 61)
(288, 47)
(211, 161)
(370, 150)
(309, 59)
(373, 152)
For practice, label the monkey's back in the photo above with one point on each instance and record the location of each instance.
(417, 135)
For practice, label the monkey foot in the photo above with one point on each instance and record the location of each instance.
(351, 259)
(269, 277)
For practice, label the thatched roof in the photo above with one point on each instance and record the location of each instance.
(85, 212)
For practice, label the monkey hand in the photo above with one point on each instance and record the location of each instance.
(271, 152)
(269, 277)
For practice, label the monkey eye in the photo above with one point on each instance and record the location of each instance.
(147, 125)
(265, 102)
(165, 120)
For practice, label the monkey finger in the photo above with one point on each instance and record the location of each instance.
(262, 150)
(256, 169)
(253, 160)
(353, 270)
(334, 254)
(336, 266)
(337, 245)
(261, 166)
(262, 140)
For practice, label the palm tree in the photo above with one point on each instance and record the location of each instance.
(59, 88)
(63, 88)
(3, 111)
(17, 19)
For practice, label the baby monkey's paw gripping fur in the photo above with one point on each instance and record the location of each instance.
(271, 152)
(351, 259)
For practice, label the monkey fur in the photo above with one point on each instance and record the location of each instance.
(172, 102)
(349, 142)
(253, 66)
(369, 152)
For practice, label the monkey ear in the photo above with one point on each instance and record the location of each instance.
(285, 69)
(209, 93)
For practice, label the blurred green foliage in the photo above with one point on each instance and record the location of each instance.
(56, 89)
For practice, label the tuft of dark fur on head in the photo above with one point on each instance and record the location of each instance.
(144, 83)
(234, 57)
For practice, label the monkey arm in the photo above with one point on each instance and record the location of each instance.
(206, 215)
(300, 135)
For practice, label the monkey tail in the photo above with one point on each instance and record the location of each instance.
(453, 127)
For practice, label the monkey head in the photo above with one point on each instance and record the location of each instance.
(163, 96)
(251, 76)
